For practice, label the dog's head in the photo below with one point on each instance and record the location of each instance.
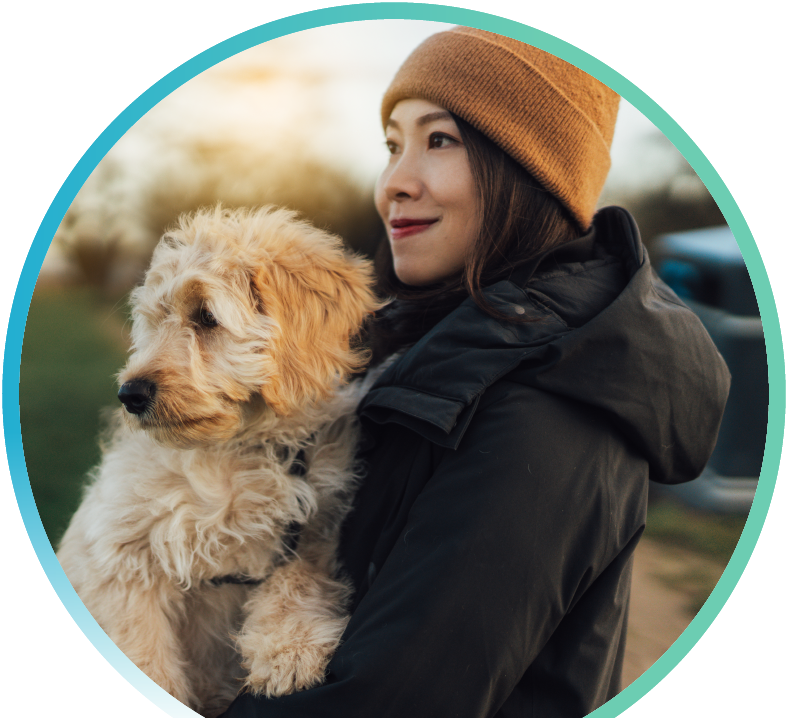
(238, 309)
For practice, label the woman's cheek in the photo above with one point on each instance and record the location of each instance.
(381, 201)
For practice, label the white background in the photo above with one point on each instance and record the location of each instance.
(70, 68)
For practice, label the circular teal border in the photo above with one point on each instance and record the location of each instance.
(391, 11)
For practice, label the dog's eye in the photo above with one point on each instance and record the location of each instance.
(207, 319)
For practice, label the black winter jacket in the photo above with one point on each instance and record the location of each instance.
(491, 541)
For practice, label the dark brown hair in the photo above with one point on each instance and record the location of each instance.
(519, 221)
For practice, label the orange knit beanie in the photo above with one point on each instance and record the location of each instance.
(552, 118)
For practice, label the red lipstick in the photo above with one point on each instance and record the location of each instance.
(406, 226)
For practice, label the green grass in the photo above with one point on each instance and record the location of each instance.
(711, 535)
(73, 346)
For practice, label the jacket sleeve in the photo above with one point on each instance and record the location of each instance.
(508, 533)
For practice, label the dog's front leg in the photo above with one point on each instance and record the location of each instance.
(143, 621)
(293, 626)
(148, 634)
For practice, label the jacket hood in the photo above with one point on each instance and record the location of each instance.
(607, 332)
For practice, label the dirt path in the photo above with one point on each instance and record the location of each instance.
(669, 584)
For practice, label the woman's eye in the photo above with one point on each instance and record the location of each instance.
(438, 140)
(207, 319)
(391, 146)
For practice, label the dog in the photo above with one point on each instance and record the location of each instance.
(205, 545)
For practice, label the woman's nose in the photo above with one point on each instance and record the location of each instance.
(403, 180)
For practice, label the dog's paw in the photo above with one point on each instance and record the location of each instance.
(293, 626)
(293, 668)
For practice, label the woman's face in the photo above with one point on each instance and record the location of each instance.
(426, 195)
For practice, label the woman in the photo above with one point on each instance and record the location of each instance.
(543, 375)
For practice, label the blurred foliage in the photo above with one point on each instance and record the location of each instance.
(95, 257)
(72, 348)
(238, 176)
(714, 535)
(114, 223)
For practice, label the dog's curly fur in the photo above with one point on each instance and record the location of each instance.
(244, 326)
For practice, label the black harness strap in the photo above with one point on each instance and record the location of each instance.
(238, 580)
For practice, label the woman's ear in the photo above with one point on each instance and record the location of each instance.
(318, 301)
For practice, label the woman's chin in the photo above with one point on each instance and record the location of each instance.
(415, 275)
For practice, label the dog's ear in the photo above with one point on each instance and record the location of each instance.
(318, 300)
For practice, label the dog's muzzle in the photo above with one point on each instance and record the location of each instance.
(137, 395)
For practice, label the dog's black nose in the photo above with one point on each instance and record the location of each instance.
(136, 395)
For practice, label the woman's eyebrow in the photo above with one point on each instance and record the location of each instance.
(432, 117)
(424, 119)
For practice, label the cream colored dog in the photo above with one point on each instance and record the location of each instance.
(233, 432)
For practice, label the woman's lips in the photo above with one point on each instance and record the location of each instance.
(406, 227)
